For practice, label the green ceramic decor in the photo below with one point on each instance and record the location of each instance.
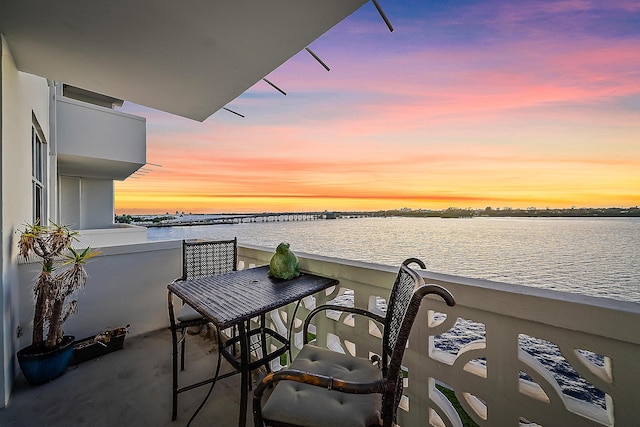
(284, 263)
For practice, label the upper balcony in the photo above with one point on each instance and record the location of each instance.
(98, 142)
(503, 349)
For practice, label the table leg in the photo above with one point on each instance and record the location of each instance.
(245, 373)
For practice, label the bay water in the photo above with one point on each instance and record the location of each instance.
(591, 256)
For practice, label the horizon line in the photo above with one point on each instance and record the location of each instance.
(405, 209)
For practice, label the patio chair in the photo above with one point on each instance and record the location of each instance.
(200, 258)
(325, 388)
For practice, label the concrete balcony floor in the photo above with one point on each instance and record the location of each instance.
(129, 387)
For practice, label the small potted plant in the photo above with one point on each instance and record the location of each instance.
(62, 275)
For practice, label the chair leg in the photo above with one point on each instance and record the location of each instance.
(182, 345)
(245, 373)
(174, 361)
(174, 390)
(234, 331)
(263, 342)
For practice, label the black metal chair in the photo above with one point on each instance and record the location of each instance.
(200, 258)
(325, 388)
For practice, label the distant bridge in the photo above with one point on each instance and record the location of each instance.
(280, 216)
(255, 217)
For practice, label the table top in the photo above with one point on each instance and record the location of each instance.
(230, 298)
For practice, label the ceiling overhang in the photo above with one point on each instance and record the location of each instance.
(188, 58)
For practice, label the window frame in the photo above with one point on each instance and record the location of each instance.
(38, 174)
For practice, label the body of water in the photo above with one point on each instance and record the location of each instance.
(591, 256)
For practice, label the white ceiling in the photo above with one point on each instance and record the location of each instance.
(188, 57)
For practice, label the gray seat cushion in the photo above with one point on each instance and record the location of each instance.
(307, 405)
(188, 313)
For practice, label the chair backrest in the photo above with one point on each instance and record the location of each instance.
(404, 302)
(201, 258)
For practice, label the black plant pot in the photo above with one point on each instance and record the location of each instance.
(41, 366)
(90, 348)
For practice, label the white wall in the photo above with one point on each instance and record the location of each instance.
(98, 142)
(127, 285)
(97, 204)
(21, 95)
(115, 235)
(86, 203)
(69, 188)
(94, 131)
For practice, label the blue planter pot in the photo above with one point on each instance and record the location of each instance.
(40, 367)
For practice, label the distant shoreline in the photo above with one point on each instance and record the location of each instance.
(168, 220)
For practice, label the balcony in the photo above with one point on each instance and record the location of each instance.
(485, 365)
(98, 142)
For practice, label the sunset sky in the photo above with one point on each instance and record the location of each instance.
(465, 104)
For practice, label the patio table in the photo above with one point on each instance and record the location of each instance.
(234, 298)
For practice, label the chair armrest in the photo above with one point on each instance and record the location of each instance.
(330, 383)
(353, 310)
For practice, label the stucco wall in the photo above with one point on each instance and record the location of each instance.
(127, 285)
(97, 203)
(23, 95)
(114, 135)
(86, 203)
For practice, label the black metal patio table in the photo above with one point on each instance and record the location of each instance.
(234, 298)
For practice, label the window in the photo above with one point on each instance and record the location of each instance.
(38, 164)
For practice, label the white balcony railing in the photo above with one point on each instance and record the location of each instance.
(113, 235)
(497, 332)
(493, 328)
(98, 142)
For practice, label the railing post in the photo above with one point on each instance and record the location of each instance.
(502, 372)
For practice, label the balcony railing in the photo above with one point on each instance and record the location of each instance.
(505, 350)
(98, 142)
(499, 348)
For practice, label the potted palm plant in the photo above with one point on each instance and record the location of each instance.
(62, 275)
